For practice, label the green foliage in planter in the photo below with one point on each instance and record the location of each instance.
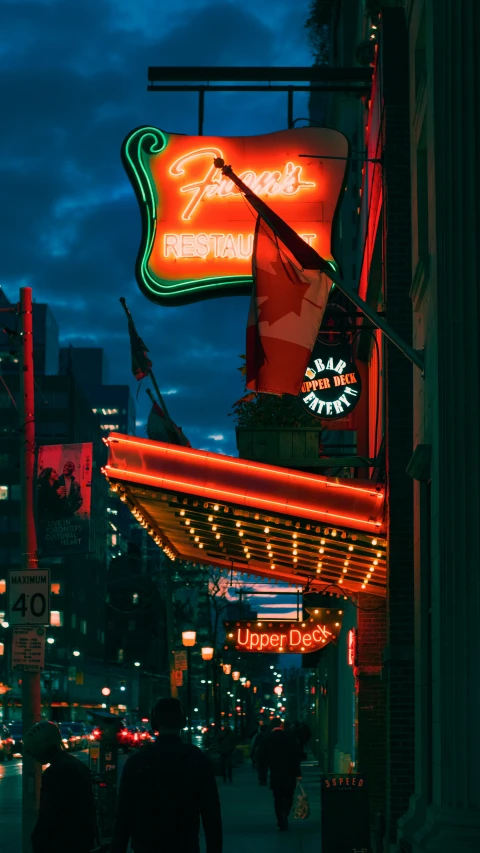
(270, 410)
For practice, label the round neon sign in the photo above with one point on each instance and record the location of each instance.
(332, 384)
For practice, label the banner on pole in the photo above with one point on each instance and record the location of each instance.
(64, 488)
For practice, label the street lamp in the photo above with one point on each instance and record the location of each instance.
(189, 637)
(106, 691)
(50, 640)
(137, 663)
(207, 655)
(76, 653)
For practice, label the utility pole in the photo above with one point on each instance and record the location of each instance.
(31, 706)
(169, 618)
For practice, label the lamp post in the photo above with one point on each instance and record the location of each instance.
(189, 637)
(207, 655)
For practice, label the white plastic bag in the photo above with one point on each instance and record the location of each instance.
(301, 806)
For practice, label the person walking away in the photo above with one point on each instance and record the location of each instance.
(279, 754)
(166, 788)
(66, 793)
(255, 745)
(226, 747)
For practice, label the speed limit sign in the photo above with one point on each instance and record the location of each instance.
(29, 597)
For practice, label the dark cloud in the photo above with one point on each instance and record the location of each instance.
(73, 85)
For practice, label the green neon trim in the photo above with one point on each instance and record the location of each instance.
(137, 150)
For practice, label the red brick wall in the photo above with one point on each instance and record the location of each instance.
(399, 662)
(372, 633)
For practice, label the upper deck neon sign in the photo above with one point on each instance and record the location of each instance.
(197, 235)
(284, 636)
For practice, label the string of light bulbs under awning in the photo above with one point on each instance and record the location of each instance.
(204, 508)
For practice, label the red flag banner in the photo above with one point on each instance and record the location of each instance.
(286, 310)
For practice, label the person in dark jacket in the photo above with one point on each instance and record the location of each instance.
(66, 793)
(69, 490)
(257, 739)
(279, 753)
(165, 789)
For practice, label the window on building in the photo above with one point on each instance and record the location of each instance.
(135, 598)
(114, 539)
(111, 427)
(55, 588)
(2, 649)
(3, 493)
(2, 616)
(74, 620)
(83, 626)
(56, 618)
(102, 637)
(15, 492)
(3, 586)
(120, 656)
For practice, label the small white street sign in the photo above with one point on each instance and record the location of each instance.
(28, 649)
(29, 597)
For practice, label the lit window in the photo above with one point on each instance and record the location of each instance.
(56, 618)
(83, 626)
(120, 656)
(3, 586)
(135, 598)
(3, 493)
(54, 588)
(114, 539)
(74, 620)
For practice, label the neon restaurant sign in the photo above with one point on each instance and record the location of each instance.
(284, 636)
(197, 230)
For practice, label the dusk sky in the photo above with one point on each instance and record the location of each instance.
(74, 84)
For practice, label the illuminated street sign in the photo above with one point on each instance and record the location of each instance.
(332, 385)
(283, 636)
(197, 234)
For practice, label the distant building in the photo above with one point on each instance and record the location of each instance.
(113, 404)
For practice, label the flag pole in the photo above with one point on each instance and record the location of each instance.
(310, 259)
(415, 356)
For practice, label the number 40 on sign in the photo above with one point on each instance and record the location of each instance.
(29, 597)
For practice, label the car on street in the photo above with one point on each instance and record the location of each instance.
(68, 738)
(80, 734)
(6, 744)
(16, 733)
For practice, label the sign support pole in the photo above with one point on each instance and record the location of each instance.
(169, 618)
(31, 706)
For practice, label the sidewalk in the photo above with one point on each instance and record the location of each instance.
(249, 821)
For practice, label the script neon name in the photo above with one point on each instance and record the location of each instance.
(219, 245)
(293, 638)
(288, 182)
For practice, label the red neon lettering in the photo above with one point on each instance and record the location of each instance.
(254, 638)
(239, 637)
(264, 640)
(295, 642)
(287, 183)
(283, 637)
(274, 640)
(307, 640)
